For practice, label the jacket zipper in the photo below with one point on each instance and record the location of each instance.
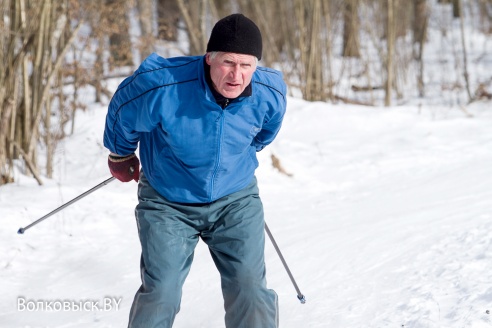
(219, 153)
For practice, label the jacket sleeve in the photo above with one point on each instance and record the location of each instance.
(270, 128)
(267, 134)
(132, 110)
(273, 121)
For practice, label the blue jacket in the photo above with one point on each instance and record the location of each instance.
(192, 150)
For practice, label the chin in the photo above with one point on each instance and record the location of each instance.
(231, 95)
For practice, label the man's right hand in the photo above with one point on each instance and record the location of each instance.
(124, 168)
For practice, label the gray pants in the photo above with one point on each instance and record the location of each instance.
(233, 229)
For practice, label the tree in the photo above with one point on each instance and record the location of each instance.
(33, 50)
(194, 23)
(420, 22)
(456, 6)
(299, 38)
(145, 20)
(310, 14)
(351, 29)
(120, 46)
(168, 16)
(390, 46)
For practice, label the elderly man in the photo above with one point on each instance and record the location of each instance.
(198, 123)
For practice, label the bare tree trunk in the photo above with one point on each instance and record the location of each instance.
(50, 75)
(194, 23)
(328, 50)
(30, 164)
(309, 18)
(351, 25)
(485, 15)
(145, 20)
(5, 169)
(48, 139)
(390, 42)
(421, 17)
(224, 7)
(302, 45)
(315, 64)
(168, 19)
(120, 46)
(457, 7)
(402, 18)
(465, 57)
(8, 79)
(99, 36)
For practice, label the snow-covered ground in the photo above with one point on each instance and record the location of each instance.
(386, 222)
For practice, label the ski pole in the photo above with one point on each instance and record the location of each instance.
(105, 182)
(300, 296)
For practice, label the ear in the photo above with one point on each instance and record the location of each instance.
(207, 58)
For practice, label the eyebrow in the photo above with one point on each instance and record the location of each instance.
(239, 61)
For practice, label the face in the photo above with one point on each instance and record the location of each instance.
(231, 73)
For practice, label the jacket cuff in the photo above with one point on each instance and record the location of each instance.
(119, 158)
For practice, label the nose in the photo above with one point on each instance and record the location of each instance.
(235, 71)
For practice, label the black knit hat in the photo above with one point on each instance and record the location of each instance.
(236, 33)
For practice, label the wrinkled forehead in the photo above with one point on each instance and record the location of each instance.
(235, 57)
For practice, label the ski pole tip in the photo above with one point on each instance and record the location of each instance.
(302, 299)
(21, 231)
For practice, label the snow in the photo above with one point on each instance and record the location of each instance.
(386, 222)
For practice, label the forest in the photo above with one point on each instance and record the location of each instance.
(364, 52)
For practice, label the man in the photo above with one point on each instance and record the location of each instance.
(198, 122)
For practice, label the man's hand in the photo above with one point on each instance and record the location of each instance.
(124, 168)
